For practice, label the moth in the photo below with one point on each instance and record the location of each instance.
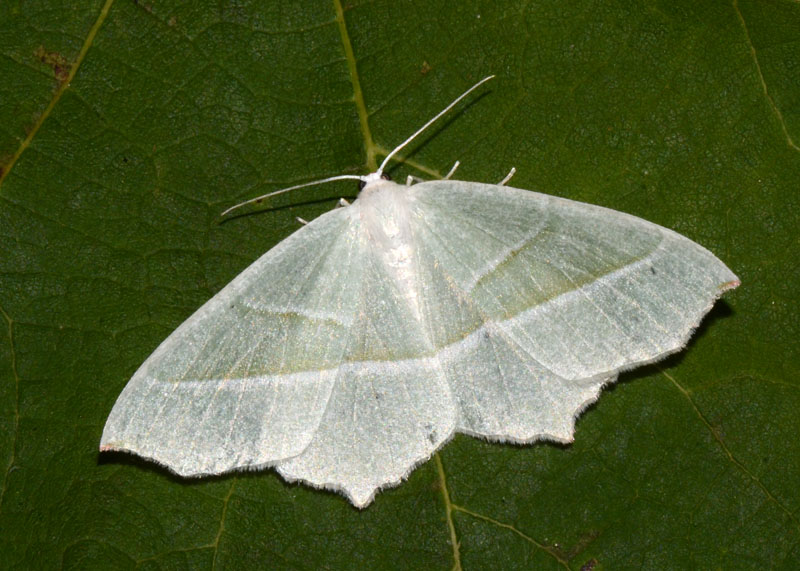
(350, 352)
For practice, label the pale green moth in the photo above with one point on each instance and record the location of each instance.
(358, 346)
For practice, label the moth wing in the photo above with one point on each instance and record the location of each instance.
(567, 295)
(245, 380)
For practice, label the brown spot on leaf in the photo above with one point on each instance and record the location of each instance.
(426, 67)
(583, 542)
(58, 63)
(147, 7)
(589, 565)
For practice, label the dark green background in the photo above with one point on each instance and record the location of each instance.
(127, 127)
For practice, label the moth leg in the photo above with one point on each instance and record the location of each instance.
(411, 179)
(342, 202)
(507, 177)
(452, 170)
(302, 221)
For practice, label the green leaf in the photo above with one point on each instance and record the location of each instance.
(127, 127)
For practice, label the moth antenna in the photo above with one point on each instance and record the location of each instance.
(372, 176)
(295, 187)
(429, 123)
